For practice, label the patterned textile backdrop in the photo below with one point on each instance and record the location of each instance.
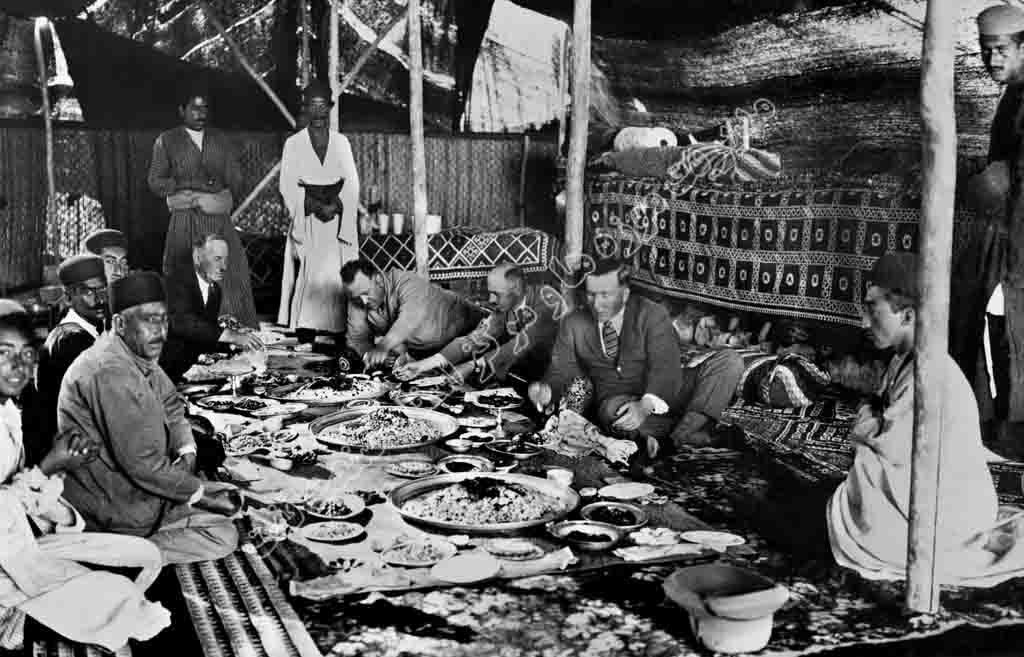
(100, 177)
(793, 247)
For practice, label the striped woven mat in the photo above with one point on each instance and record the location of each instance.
(54, 646)
(238, 610)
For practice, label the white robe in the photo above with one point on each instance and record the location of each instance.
(311, 294)
(868, 516)
(44, 578)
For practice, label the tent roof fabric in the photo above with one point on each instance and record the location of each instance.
(51, 8)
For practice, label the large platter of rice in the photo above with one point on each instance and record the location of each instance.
(483, 503)
(383, 429)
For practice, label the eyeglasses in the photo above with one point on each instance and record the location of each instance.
(26, 356)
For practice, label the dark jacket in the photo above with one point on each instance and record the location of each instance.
(194, 328)
(648, 359)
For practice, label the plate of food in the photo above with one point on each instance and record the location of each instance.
(233, 404)
(334, 507)
(285, 408)
(482, 502)
(626, 517)
(465, 463)
(218, 371)
(713, 538)
(513, 549)
(332, 531)
(411, 469)
(420, 553)
(477, 437)
(383, 430)
(330, 390)
(516, 448)
(587, 535)
(478, 422)
(247, 443)
(417, 399)
(503, 399)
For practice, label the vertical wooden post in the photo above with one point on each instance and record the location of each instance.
(563, 88)
(334, 63)
(304, 42)
(522, 180)
(44, 87)
(578, 129)
(938, 133)
(419, 151)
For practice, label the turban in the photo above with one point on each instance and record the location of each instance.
(1001, 20)
(80, 268)
(135, 290)
(896, 272)
(103, 238)
(317, 89)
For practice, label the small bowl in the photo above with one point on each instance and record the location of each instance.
(597, 508)
(599, 536)
(466, 463)
(525, 450)
(504, 464)
(478, 437)
(460, 445)
(281, 463)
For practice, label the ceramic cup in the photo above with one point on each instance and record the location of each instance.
(398, 222)
(561, 476)
(433, 224)
(383, 221)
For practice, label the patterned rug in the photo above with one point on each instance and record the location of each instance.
(785, 247)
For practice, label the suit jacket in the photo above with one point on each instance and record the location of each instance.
(413, 311)
(194, 328)
(648, 359)
(131, 409)
(518, 340)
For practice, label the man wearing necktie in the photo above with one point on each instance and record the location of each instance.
(619, 358)
(193, 303)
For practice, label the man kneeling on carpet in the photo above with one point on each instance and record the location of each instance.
(143, 481)
(621, 356)
(867, 516)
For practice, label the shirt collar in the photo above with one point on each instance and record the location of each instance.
(616, 320)
(72, 317)
(204, 286)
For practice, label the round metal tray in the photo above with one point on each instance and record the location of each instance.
(445, 424)
(281, 394)
(402, 494)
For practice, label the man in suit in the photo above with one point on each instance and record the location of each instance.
(513, 342)
(193, 302)
(85, 286)
(400, 313)
(112, 246)
(620, 357)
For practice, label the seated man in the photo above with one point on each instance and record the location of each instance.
(193, 302)
(85, 285)
(867, 515)
(112, 246)
(399, 312)
(142, 483)
(622, 354)
(516, 339)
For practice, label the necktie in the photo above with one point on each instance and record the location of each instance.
(611, 341)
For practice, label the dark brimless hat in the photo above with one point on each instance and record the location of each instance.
(135, 290)
(80, 268)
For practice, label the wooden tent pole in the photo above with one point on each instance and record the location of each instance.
(372, 48)
(334, 62)
(51, 187)
(419, 151)
(938, 132)
(577, 134)
(240, 56)
(304, 42)
(522, 180)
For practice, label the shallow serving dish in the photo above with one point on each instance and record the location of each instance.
(445, 425)
(606, 512)
(567, 498)
(459, 445)
(465, 463)
(601, 536)
(516, 449)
